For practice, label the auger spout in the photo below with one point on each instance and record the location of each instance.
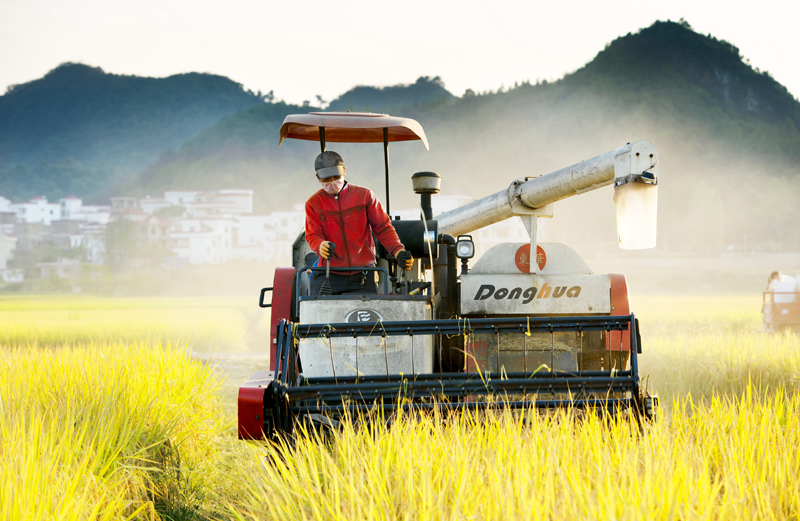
(535, 193)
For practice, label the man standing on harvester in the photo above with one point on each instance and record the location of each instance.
(340, 221)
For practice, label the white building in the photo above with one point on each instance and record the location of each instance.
(252, 237)
(37, 210)
(62, 268)
(202, 241)
(122, 203)
(181, 197)
(150, 205)
(7, 246)
(445, 203)
(73, 209)
(12, 275)
(203, 227)
(227, 201)
(197, 203)
(287, 225)
(92, 238)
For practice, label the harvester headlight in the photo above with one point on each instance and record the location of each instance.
(465, 248)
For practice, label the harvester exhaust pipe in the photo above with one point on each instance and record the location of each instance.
(426, 184)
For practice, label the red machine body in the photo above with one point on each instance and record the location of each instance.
(620, 305)
(281, 308)
(251, 394)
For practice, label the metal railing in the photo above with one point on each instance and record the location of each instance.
(317, 269)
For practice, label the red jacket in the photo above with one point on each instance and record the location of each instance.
(348, 220)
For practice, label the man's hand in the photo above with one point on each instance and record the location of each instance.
(326, 249)
(404, 259)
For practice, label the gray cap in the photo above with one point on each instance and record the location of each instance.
(328, 164)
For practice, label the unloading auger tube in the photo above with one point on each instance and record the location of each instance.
(538, 192)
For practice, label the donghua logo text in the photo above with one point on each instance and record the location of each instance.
(487, 291)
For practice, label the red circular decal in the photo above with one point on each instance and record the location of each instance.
(523, 258)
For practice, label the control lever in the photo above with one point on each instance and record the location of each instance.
(326, 286)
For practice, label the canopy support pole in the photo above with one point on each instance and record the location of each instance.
(322, 138)
(386, 165)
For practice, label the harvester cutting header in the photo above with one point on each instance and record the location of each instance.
(527, 325)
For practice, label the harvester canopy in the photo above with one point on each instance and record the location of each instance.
(351, 127)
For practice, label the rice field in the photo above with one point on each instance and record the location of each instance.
(226, 323)
(124, 409)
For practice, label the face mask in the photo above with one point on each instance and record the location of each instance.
(334, 187)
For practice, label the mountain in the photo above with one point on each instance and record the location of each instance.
(672, 56)
(726, 134)
(383, 99)
(240, 149)
(102, 126)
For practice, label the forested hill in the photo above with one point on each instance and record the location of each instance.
(671, 57)
(81, 122)
(726, 134)
(365, 98)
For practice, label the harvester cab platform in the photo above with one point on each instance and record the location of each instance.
(528, 325)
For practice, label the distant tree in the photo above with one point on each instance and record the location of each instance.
(122, 242)
(125, 241)
(425, 91)
(436, 80)
(170, 211)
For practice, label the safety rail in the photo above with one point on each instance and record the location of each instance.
(344, 269)
(296, 397)
(784, 297)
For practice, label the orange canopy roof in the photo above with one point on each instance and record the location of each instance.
(351, 127)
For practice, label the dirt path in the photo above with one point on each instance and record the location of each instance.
(232, 369)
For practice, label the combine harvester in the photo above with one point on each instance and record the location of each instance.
(516, 329)
(781, 305)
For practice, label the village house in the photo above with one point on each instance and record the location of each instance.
(195, 226)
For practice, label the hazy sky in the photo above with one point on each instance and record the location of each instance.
(303, 48)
